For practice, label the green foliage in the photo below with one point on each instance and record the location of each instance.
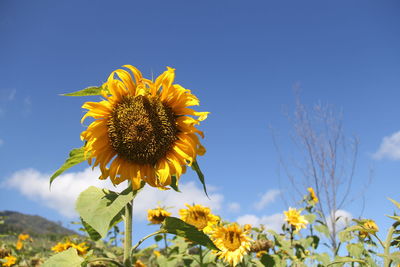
(196, 168)
(180, 228)
(88, 91)
(76, 156)
(101, 208)
(68, 258)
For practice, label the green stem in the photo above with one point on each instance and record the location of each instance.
(128, 234)
(201, 255)
(107, 260)
(387, 261)
(143, 239)
(166, 244)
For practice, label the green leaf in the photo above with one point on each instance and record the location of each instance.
(101, 208)
(68, 258)
(196, 168)
(323, 258)
(340, 260)
(267, 260)
(93, 234)
(76, 156)
(92, 90)
(355, 250)
(395, 202)
(174, 183)
(322, 228)
(310, 217)
(158, 238)
(178, 227)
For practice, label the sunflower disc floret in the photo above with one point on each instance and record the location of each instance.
(143, 130)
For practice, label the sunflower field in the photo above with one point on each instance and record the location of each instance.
(144, 131)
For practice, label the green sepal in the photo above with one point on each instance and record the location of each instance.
(88, 91)
(101, 208)
(68, 258)
(76, 156)
(196, 168)
(180, 228)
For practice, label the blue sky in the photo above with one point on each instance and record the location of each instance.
(241, 58)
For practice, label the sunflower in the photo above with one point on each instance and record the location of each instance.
(370, 227)
(23, 237)
(232, 242)
(157, 215)
(143, 130)
(10, 260)
(139, 263)
(60, 247)
(313, 196)
(199, 216)
(294, 218)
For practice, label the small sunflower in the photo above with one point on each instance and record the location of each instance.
(370, 227)
(23, 237)
(10, 261)
(19, 245)
(143, 130)
(232, 242)
(157, 215)
(313, 196)
(199, 216)
(294, 218)
(139, 263)
(60, 247)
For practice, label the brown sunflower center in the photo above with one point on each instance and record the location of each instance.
(232, 240)
(198, 219)
(142, 129)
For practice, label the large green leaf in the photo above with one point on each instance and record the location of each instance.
(196, 168)
(93, 234)
(267, 260)
(92, 90)
(101, 208)
(76, 156)
(178, 227)
(68, 258)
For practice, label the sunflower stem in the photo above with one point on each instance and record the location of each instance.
(128, 233)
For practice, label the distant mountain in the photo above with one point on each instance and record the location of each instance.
(15, 222)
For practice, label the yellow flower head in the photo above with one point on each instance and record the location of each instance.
(60, 247)
(143, 130)
(313, 196)
(370, 227)
(23, 237)
(232, 242)
(139, 263)
(247, 227)
(293, 217)
(157, 215)
(156, 253)
(10, 261)
(199, 216)
(19, 245)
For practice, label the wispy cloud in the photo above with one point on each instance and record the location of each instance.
(26, 106)
(273, 222)
(234, 207)
(266, 199)
(1, 142)
(389, 148)
(65, 190)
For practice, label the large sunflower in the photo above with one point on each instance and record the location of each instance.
(233, 242)
(143, 129)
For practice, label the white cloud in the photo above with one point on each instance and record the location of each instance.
(267, 198)
(389, 148)
(66, 188)
(343, 219)
(273, 222)
(233, 207)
